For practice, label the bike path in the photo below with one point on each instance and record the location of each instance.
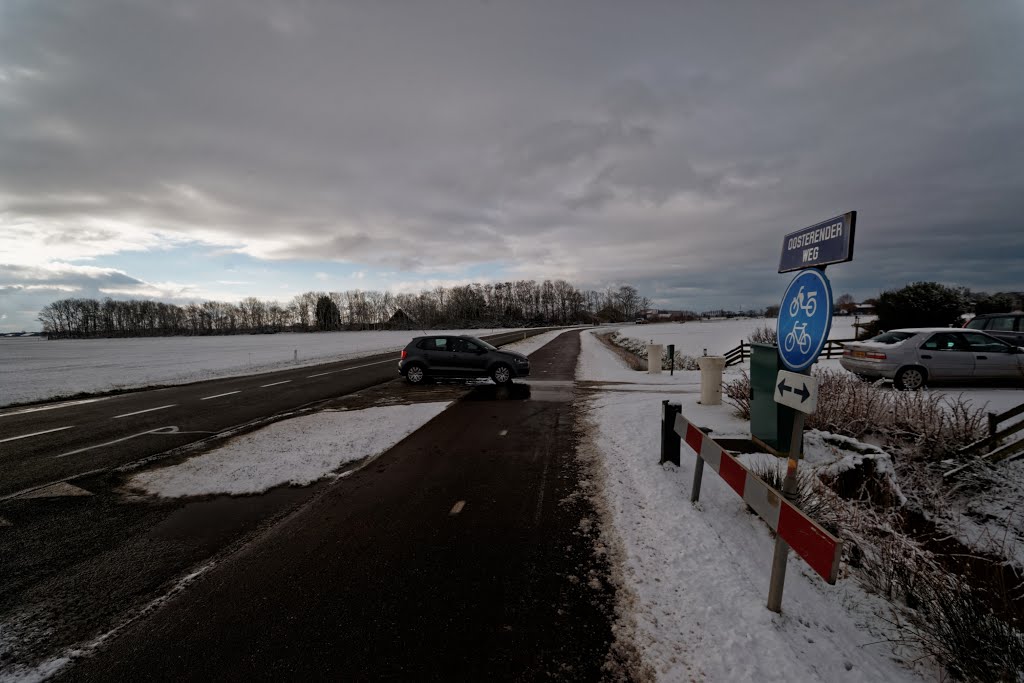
(457, 555)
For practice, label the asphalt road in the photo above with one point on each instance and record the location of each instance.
(467, 552)
(46, 443)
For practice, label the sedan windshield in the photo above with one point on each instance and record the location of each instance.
(892, 337)
(482, 343)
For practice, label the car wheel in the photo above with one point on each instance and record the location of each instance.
(501, 374)
(909, 379)
(415, 374)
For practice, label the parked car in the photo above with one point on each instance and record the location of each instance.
(641, 321)
(459, 356)
(1006, 326)
(913, 357)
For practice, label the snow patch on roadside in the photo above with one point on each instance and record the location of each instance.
(298, 452)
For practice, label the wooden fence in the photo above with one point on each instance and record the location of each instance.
(995, 435)
(738, 354)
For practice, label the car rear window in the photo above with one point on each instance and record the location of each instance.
(892, 337)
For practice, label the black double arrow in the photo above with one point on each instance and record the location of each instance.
(803, 393)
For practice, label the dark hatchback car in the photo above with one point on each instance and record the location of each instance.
(1006, 326)
(459, 356)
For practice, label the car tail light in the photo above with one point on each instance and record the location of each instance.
(404, 354)
(867, 355)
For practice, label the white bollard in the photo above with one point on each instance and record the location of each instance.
(654, 353)
(711, 379)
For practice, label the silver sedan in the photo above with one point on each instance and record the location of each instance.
(912, 357)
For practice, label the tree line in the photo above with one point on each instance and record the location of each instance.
(503, 304)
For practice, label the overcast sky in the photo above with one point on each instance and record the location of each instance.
(221, 149)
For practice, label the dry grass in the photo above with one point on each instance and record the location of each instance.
(764, 335)
(923, 425)
(737, 394)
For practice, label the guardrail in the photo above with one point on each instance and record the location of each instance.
(833, 349)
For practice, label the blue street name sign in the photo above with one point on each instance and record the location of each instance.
(827, 242)
(805, 319)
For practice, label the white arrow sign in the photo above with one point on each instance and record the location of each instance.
(796, 391)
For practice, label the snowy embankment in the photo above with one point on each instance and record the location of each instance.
(694, 579)
(33, 369)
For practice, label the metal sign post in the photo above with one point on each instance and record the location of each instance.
(805, 319)
(789, 486)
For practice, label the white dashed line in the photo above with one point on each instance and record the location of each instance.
(274, 384)
(140, 412)
(503, 432)
(321, 374)
(25, 436)
(219, 395)
(457, 508)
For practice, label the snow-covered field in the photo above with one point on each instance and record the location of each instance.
(33, 369)
(694, 579)
(717, 336)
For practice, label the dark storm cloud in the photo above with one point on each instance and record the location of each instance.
(668, 144)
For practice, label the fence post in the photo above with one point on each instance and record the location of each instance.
(993, 424)
(670, 441)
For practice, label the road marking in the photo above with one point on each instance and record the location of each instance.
(158, 430)
(354, 367)
(65, 404)
(457, 508)
(274, 384)
(25, 436)
(219, 395)
(140, 412)
(503, 432)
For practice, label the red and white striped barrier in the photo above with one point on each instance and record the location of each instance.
(818, 547)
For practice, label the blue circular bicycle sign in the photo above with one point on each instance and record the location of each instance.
(805, 319)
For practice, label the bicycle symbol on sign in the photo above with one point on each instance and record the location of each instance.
(797, 304)
(803, 340)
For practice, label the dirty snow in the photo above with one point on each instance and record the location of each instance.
(694, 579)
(297, 451)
